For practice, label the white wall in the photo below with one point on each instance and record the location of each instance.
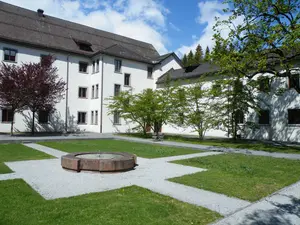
(138, 82)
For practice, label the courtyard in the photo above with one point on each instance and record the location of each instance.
(170, 185)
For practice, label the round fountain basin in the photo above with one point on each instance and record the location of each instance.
(99, 161)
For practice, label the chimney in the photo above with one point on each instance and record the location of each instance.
(40, 13)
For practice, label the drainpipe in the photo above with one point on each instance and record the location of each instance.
(101, 103)
(67, 96)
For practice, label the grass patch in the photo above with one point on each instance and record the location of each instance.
(131, 205)
(18, 152)
(228, 143)
(140, 149)
(245, 177)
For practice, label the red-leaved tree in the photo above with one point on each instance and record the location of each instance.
(12, 89)
(44, 88)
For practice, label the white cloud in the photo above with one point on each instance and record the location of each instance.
(174, 27)
(209, 10)
(144, 20)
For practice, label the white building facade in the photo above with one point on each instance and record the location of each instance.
(95, 65)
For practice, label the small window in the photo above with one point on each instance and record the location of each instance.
(97, 66)
(10, 55)
(118, 65)
(93, 66)
(82, 92)
(83, 45)
(7, 115)
(264, 117)
(96, 117)
(150, 72)
(127, 79)
(239, 117)
(43, 116)
(97, 91)
(117, 89)
(83, 67)
(44, 59)
(116, 117)
(93, 91)
(294, 116)
(264, 84)
(294, 82)
(81, 118)
(92, 117)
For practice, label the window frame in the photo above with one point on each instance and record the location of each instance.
(238, 115)
(291, 83)
(97, 91)
(120, 69)
(92, 117)
(93, 92)
(289, 119)
(10, 49)
(87, 67)
(115, 85)
(97, 65)
(7, 116)
(264, 84)
(129, 80)
(261, 119)
(149, 77)
(116, 115)
(44, 121)
(86, 92)
(85, 118)
(96, 117)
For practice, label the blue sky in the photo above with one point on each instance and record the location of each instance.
(170, 25)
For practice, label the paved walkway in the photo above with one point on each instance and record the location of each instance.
(150, 173)
(211, 148)
(281, 208)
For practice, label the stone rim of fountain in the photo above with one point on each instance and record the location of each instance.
(126, 162)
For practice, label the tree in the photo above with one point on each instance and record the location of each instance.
(184, 60)
(193, 108)
(12, 87)
(207, 54)
(198, 58)
(268, 37)
(190, 59)
(44, 89)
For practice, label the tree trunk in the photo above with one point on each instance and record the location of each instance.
(32, 125)
(12, 124)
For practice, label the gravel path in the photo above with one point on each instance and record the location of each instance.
(212, 148)
(47, 150)
(9, 176)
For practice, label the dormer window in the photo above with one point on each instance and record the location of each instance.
(84, 45)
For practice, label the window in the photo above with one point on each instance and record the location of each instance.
(118, 65)
(239, 116)
(44, 59)
(116, 117)
(96, 117)
(264, 84)
(83, 45)
(127, 79)
(150, 72)
(117, 89)
(10, 55)
(92, 117)
(93, 90)
(83, 67)
(294, 82)
(7, 115)
(43, 116)
(97, 66)
(93, 66)
(294, 116)
(81, 118)
(264, 117)
(97, 91)
(82, 92)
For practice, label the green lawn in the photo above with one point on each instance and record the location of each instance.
(140, 149)
(245, 177)
(229, 143)
(17, 152)
(127, 206)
